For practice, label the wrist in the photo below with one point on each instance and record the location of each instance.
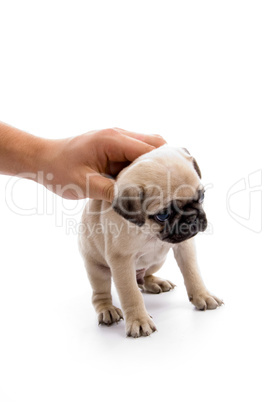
(30, 156)
(42, 159)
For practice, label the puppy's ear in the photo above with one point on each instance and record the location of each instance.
(128, 203)
(196, 167)
(186, 150)
(194, 163)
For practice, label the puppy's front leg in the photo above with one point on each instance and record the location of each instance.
(138, 321)
(185, 255)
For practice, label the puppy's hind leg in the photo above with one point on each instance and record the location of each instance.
(100, 279)
(154, 284)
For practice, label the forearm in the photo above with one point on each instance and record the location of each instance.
(67, 164)
(20, 152)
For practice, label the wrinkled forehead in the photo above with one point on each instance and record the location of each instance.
(163, 175)
(157, 199)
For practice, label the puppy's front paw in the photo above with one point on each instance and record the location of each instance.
(110, 314)
(154, 284)
(139, 326)
(205, 301)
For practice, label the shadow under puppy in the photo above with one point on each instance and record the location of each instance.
(157, 206)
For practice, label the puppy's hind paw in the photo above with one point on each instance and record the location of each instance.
(109, 315)
(154, 284)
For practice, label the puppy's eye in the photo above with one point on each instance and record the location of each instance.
(201, 198)
(162, 217)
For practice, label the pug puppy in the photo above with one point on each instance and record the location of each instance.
(157, 207)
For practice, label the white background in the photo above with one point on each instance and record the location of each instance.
(195, 72)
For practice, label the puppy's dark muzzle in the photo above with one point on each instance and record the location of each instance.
(187, 226)
(193, 223)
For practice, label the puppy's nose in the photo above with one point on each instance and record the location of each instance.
(191, 218)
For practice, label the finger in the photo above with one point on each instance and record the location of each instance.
(121, 148)
(151, 139)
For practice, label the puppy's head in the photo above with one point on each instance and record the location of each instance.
(162, 190)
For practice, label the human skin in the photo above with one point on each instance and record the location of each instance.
(76, 167)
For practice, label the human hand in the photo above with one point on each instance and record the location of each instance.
(74, 167)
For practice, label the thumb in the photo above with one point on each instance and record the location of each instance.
(100, 187)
